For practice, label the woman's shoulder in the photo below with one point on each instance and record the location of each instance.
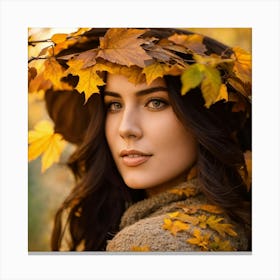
(190, 224)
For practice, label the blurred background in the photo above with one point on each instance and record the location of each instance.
(46, 191)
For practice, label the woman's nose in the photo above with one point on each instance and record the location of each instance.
(130, 125)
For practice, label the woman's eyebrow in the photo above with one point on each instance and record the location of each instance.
(138, 93)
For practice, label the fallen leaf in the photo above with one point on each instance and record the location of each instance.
(43, 141)
(221, 228)
(199, 239)
(221, 245)
(140, 248)
(174, 226)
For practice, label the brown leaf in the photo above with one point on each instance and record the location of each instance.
(193, 42)
(32, 73)
(122, 46)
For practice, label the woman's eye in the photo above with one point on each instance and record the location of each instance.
(114, 106)
(156, 104)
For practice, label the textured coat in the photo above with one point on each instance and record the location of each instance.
(180, 219)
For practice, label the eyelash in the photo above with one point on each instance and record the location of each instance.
(163, 103)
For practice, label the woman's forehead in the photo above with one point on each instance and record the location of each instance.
(120, 82)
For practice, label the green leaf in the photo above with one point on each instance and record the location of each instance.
(191, 78)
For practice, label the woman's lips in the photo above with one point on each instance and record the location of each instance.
(132, 158)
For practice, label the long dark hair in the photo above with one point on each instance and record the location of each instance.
(100, 196)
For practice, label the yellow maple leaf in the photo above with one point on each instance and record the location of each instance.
(223, 93)
(158, 70)
(202, 221)
(174, 226)
(221, 228)
(210, 208)
(43, 141)
(184, 217)
(187, 191)
(210, 85)
(89, 80)
(140, 248)
(221, 245)
(54, 72)
(242, 65)
(200, 239)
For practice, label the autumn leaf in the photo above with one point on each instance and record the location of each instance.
(210, 85)
(221, 228)
(54, 72)
(59, 38)
(212, 60)
(158, 70)
(187, 191)
(174, 226)
(191, 78)
(43, 141)
(140, 248)
(193, 42)
(88, 58)
(32, 73)
(202, 221)
(122, 46)
(210, 208)
(133, 73)
(184, 217)
(39, 83)
(223, 93)
(199, 239)
(220, 245)
(89, 80)
(242, 65)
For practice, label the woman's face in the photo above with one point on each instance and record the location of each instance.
(150, 146)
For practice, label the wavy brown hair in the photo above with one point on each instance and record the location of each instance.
(100, 196)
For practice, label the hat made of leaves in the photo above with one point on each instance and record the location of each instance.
(70, 70)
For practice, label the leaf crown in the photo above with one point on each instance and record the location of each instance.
(77, 62)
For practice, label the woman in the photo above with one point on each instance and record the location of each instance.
(159, 164)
